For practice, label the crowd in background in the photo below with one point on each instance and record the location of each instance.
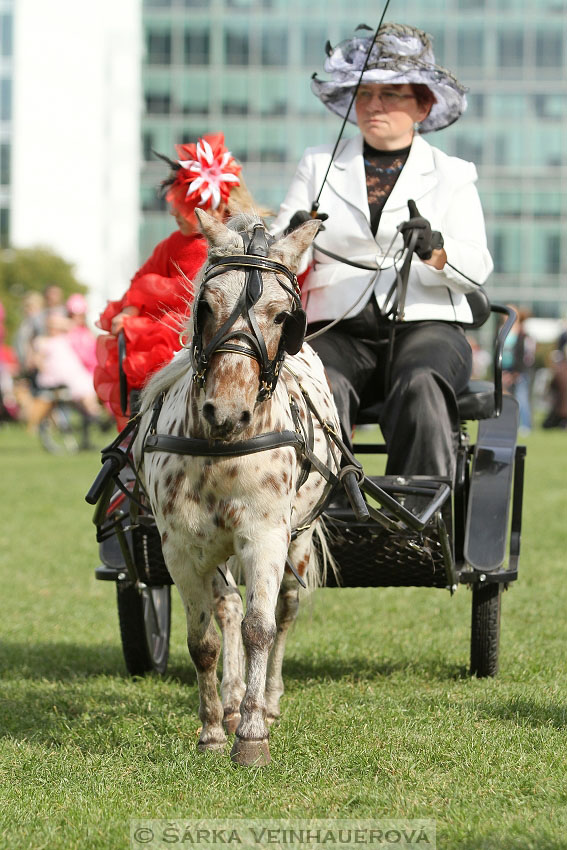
(53, 351)
(54, 347)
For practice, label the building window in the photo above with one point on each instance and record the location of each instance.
(6, 35)
(151, 200)
(158, 104)
(5, 99)
(274, 47)
(147, 146)
(5, 164)
(229, 107)
(510, 50)
(197, 48)
(469, 149)
(273, 155)
(313, 46)
(549, 49)
(236, 48)
(553, 253)
(497, 252)
(475, 105)
(470, 49)
(551, 106)
(193, 137)
(4, 226)
(158, 48)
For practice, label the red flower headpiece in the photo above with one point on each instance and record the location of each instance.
(205, 175)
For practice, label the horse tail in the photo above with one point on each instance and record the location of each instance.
(321, 558)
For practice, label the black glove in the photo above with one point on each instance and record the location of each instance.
(428, 240)
(301, 216)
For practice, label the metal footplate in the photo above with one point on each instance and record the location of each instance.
(491, 486)
(398, 547)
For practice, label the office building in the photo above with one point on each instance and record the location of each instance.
(244, 67)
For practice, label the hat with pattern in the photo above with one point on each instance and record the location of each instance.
(400, 54)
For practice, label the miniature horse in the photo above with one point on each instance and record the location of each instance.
(218, 398)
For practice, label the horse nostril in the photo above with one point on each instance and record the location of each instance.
(246, 417)
(209, 412)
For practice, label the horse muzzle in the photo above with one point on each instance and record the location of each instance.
(225, 420)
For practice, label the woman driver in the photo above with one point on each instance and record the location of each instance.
(402, 95)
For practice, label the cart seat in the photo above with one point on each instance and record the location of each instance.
(480, 399)
(476, 402)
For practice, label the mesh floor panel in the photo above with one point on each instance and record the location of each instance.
(367, 555)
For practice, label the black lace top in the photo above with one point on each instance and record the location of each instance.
(382, 170)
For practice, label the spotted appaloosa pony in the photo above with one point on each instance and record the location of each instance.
(208, 509)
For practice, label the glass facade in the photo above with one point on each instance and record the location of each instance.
(244, 67)
(6, 48)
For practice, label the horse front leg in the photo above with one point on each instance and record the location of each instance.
(203, 642)
(264, 568)
(229, 613)
(286, 612)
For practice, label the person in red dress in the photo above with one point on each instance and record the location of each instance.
(158, 301)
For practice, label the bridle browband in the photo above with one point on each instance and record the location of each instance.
(254, 261)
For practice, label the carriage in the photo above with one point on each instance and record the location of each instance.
(394, 531)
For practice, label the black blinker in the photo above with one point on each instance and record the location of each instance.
(294, 327)
(203, 310)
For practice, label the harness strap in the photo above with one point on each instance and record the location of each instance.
(220, 448)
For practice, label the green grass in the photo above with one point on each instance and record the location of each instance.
(380, 719)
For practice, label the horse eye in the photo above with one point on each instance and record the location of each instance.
(281, 317)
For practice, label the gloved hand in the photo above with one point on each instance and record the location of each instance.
(300, 216)
(428, 240)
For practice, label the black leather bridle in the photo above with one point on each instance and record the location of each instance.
(294, 321)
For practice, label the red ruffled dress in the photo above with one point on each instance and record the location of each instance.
(164, 299)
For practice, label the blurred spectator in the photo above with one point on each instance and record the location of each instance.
(481, 359)
(53, 304)
(82, 339)
(59, 366)
(31, 326)
(517, 363)
(557, 415)
(8, 367)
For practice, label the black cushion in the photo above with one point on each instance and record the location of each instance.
(476, 402)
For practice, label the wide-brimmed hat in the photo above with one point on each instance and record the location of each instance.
(400, 54)
(203, 176)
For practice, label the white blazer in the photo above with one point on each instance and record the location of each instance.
(443, 188)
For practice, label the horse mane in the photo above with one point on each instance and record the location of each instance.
(162, 380)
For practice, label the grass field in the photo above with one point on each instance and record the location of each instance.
(380, 719)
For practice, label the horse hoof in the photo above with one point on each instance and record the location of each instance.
(230, 723)
(211, 746)
(250, 753)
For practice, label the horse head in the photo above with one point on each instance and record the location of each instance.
(246, 317)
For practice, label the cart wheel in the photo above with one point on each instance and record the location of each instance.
(485, 628)
(145, 620)
(61, 428)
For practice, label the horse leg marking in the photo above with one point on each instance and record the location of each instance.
(228, 614)
(203, 643)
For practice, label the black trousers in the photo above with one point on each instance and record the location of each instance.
(430, 365)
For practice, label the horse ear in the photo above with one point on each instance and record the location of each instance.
(217, 234)
(291, 247)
